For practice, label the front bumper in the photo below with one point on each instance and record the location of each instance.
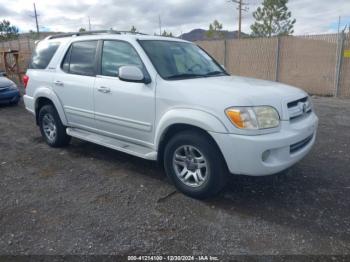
(9, 96)
(247, 155)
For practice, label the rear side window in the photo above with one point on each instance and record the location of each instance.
(43, 54)
(80, 58)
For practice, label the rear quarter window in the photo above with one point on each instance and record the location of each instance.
(80, 58)
(43, 54)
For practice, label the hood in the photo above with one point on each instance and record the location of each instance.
(5, 82)
(219, 93)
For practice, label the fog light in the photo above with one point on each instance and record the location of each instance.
(266, 155)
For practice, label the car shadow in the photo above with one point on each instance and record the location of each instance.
(7, 105)
(78, 148)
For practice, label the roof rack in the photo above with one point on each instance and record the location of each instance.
(93, 33)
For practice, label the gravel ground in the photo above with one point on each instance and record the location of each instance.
(86, 199)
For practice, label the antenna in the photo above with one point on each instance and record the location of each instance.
(160, 25)
(89, 24)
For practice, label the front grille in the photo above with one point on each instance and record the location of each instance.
(299, 108)
(300, 145)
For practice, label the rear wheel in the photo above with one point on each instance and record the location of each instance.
(194, 163)
(51, 127)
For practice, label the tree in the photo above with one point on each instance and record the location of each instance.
(82, 29)
(272, 19)
(215, 30)
(165, 33)
(133, 29)
(8, 31)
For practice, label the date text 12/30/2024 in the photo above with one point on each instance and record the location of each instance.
(173, 258)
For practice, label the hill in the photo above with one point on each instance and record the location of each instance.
(201, 34)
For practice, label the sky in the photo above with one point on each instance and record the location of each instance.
(177, 16)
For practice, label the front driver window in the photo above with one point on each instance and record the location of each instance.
(180, 60)
(116, 54)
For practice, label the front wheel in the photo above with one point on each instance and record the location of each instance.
(195, 165)
(51, 127)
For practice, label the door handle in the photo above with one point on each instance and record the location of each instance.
(104, 89)
(58, 83)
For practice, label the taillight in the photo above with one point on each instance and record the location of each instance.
(25, 80)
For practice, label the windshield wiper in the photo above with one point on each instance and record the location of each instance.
(190, 75)
(184, 76)
(214, 73)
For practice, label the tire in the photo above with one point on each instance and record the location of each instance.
(195, 150)
(51, 127)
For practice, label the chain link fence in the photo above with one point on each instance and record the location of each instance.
(319, 64)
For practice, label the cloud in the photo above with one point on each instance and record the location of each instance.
(176, 15)
(4, 11)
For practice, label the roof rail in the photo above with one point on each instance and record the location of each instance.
(92, 33)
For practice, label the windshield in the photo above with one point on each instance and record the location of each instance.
(180, 60)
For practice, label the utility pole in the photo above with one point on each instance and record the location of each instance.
(36, 20)
(339, 22)
(240, 8)
(160, 25)
(89, 24)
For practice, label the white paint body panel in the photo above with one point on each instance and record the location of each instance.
(139, 114)
(75, 93)
(127, 110)
(243, 154)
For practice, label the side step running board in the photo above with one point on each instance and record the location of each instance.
(126, 147)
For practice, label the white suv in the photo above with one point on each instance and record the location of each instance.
(168, 100)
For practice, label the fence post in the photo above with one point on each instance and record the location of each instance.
(225, 54)
(339, 63)
(19, 44)
(29, 47)
(277, 56)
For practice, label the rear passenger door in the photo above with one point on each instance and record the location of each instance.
(74, 82)
(127, 110)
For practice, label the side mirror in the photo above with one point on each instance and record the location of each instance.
(131, 74)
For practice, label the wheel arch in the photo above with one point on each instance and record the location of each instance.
(44, 96)
(186, 119)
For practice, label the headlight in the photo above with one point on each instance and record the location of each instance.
(259, 117)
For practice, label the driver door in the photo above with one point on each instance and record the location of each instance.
(124, 110)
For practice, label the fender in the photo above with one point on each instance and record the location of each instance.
(194, 117)
(49, 94)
